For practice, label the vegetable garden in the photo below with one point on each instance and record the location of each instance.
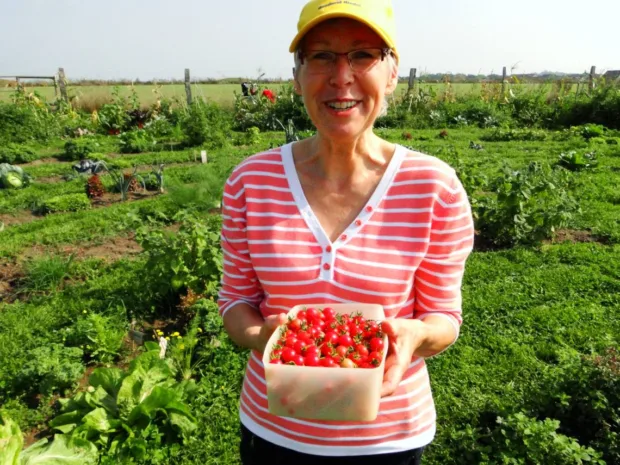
(109, 246)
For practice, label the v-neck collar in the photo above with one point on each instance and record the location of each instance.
(362, 217)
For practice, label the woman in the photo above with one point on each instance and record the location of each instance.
(345, 216)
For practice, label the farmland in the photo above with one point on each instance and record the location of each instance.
(94, 271)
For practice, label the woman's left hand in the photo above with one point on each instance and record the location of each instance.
(405, 336)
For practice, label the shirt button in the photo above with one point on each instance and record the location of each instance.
(368, 208)
(328, 248)
(343, 237)
(326, 266)
(358, 222)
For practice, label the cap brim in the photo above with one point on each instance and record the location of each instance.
(322, 18)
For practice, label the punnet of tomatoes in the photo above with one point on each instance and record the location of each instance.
(321, 337)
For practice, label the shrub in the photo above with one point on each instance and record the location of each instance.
(24, 122)
(505, 135)
(79, 149)
(528, 207)
(206, 125)
(17, 153)
(577, 161)
(51, 368)
(137, 141)
(100, 336)
(65, 203)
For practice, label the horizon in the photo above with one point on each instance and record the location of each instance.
(133, 40)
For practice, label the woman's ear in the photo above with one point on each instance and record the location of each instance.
(296, 84)
(393, 78)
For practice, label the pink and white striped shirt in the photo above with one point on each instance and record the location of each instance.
(406, 250)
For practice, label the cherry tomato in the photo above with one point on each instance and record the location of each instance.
(345, 340)
(327, 350)
(331, 337)
(329, 313)
(301, 315)
(311, 360)
(276, 361)
(328, 362)
(298, 360)
(300, 346)
(375, 358)
(312, 350)
(362, 350)
(290, 342)
(348, 363)
(342, 352)
(295, 324)
(288, 355)
(313, 314)
(304, 336)
(376, 344)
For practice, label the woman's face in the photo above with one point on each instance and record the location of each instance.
(343, 103)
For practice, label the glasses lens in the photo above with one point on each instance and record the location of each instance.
(363, 60)
(320, 61)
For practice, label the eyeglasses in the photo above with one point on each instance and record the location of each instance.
(361, 60)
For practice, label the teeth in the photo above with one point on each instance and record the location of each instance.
(341, 105)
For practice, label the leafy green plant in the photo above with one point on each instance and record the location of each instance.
(51, 368)
(188, 259)
(65, 203)
(100, 336)
(13, 177)
(206, 124)
(79, 149)
(290, 132)
(137, 141)
(120, 410)
(504, 135)
(113, 116)
(62, 450)
(577, 161)
(17, 153)
(530, 204)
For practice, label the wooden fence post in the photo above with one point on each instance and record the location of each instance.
(504, 82)
(63, 84)
(592, 76)
(55, 87)
(188, 89)
(412, 75)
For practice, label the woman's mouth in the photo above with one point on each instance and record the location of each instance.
(342, 105)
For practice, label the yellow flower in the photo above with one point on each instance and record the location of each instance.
(159, 332)
(175, 334)
(182, 346)
(84, 311)
(199, 330)
(167, 338)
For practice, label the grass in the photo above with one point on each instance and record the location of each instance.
(93, 96)
(524, 308)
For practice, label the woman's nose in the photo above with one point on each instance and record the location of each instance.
(341, 71)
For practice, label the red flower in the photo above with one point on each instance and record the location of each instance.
(267, 93)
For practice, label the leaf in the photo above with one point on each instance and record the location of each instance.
(109, 379)
(99, 420)
(158, 399)
(11, 441)
(63, 450)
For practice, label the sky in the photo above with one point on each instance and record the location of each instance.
(158, 39)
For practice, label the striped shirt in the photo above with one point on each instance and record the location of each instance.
(406, 251)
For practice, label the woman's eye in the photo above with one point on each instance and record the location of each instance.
(322, 56)
(362, 55)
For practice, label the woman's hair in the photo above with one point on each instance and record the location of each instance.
(391, 60)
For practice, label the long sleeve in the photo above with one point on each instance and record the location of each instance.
(438, 279)
(239, 281)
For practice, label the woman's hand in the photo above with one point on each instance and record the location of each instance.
(266, 330)
(404, 338)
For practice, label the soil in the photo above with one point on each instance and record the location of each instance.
(19, 217)
(10, 274)
(42, 161)
(574, 236)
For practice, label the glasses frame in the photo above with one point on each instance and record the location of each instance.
(385, 51)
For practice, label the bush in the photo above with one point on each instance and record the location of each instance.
(100, 336)
(24, 122)
(528, 207)
(16, 153)
(206, 125)
(79, 149)
(51, 368)
(137, 141)
(65, 203)
(505, 135)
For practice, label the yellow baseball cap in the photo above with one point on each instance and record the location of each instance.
(376, 14)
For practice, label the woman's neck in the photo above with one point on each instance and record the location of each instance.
(338, 161)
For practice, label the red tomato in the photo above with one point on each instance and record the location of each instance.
(362, 350)
(328, 362)
(276, 361)
(376, 344)
(290, 342)
(342, 352)
(277, 353)
(313, 314)
(298, 360)
(311, 360)
(375, 358)
(300, 346)
(288, 354)
(331, 337)
(301, 315)
(304, 336)
(327, 350)
(345, 340)
(295, 324)
(312, 350)
(329, 313)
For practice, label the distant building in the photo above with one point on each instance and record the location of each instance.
(612, 76)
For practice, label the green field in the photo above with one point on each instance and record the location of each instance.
(220, 93)
(75, 283)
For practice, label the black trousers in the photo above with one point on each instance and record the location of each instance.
(257, 451)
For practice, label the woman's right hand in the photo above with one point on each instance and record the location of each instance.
(270, 324)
